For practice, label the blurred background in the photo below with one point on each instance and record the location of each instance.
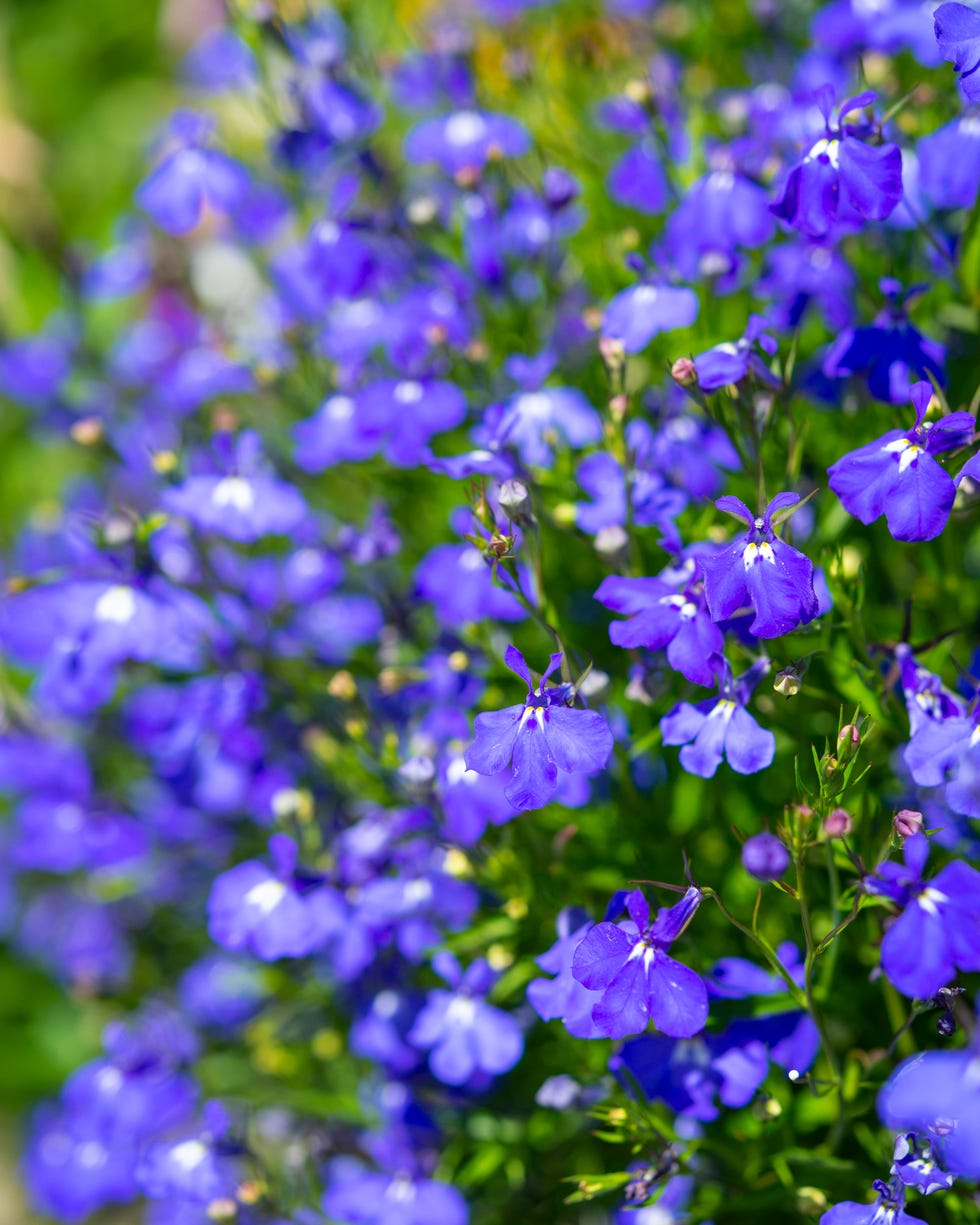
(81, 87)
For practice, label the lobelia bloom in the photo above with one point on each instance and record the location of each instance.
(938, 931)
(946, 752)
(629, 964)
(760, 571)
(897, 476)
(464, 1035)
(667, 613)
(538, 738)
(732, 361)
(937, 1093)
(563, 997)
(721, 727)
(888, 1208)
(634, 316)
(842, 177)
(958, 37)
(914, 1162)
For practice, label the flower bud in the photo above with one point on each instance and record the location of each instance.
(684, 372)
(787, 682)
(838, 823)
(765, 857)
(613, 354)
(849, 734)
(907, 823)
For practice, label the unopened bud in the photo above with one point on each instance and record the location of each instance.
(838, 823)
(907, 823)
(87, 432)
(684, 372)
(849, 734)
(618, 407)
(500, 546)
(514, 499)
(765, 857)
(787, 682)
(222, 1210)
(811, 1201)
(612, 353)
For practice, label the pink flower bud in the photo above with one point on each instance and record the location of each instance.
(907, 822)
(838, 823)
(849, 734)
(683, 372)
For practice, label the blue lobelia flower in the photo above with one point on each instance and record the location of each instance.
(564, 997)
(897, 476)
(636, 315)
(947, 751)
(937, 1093)
(360, 1196)
(464, 141)
(762, 572)
(949, 163)
(958, 36)
(721, 727)
(842, 177)
(888, 1208)
(937, 932)
(667, 613)
(265, 913)
(733, 361)
(539, 737)
(465, 1036)
(190, 176)
(915, 1164)
(890, 351)
(629, 964)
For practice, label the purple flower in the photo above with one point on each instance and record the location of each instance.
(721, 727)
(890, 351)
(457, 580)
(958, 36)
(841, 176)
(190, 176)
(947, 751)
(937, 1094)
(629, 964)
(464, 1035)
(637, 180)
(765, 857)
(949, 163)
(667, 612)
(761, 572)
(731, 362)
(914, 1163)
(358, 1196)
(466, 140)
(265, 912)
(888, 1209)
(563, 997)
(636, 315)
(936, 933)
(896, 475)
(539, 738)
(533, 420)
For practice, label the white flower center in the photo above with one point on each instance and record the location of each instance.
(117, 605)
(189, 1155)
(825, 148)
(908, 453)
(265, 896)
(234, 491)
(465, 128)
(462, 1011)
(754, 553)
(408, 392)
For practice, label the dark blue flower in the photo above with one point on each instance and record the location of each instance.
(539, 738)
(914, 1163)
(897, 476)
(639, 981)
(891, 352)
(841, 177)
(760, 572)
